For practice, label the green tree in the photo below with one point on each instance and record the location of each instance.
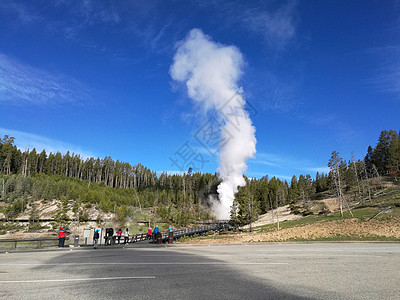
(381, 157)
(14, 209)
(248, 208)
(6, 154)
(294, 191)
(394, 154)
(61, 216)
(321, 183)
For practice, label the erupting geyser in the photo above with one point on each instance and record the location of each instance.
(211, 72)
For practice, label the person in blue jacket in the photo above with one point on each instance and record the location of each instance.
(156, 230)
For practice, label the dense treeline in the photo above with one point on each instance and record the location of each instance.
(113, 185)
(174, 205)
(261, 195)
(345, 177)
(113, 174)
(102, 182)
(385, 157)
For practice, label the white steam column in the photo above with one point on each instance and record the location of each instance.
(211, 72)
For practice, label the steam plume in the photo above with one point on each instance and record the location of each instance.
(211, 72)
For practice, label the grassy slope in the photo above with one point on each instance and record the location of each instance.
(361, 214)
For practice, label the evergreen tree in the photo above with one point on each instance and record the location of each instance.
(321, 183)
(61, 216)
(394, 155)
(381, 157)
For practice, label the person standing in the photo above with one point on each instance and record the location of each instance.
(170, 234)
(61, 237)
(96, 237)
(156, 233)
(126, 236)
(109, 236)
(156, 230)
(149, 233)
(119, 234)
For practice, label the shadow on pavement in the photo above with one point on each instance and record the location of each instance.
(177, 276)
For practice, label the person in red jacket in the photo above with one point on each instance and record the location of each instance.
(61, 237)
(119, 234)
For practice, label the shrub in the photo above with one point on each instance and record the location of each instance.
(14, 209)
(307, 212)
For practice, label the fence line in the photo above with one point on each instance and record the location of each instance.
(177, 234)
(39, 241)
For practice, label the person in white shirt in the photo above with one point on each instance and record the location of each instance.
(126, 237)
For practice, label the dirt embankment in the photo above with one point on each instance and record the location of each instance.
(47, 210)
(343, 228)
(281, 214)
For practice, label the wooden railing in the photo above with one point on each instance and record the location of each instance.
(176, 234)
(39, 241)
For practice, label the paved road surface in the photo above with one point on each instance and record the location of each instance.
(262, 271)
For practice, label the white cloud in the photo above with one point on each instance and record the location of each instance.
(20, 10)
(273, 21)
(25, 140)
(386, 77)
(277, 27)
(269, 159)
(21, 83)
(262, 174)
(324, 170)
(267, 163)
(287, 163)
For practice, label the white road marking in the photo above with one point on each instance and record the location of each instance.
(373, 250)
(250, 255)
(74, 279)
(187, 255)
(322, 255)
(150, 263)
(299, 250)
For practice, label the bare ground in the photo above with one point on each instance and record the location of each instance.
(282, 214)
(342, 228)
(46, 210)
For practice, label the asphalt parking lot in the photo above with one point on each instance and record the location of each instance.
(256, 271)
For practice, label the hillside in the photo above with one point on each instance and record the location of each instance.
(38, 204)
(375, 220)
(40, 192)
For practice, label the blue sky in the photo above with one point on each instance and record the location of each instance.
(93, 77)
